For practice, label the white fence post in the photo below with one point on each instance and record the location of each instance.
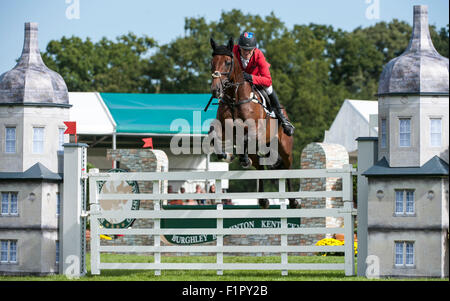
(157, 226)
(284, 242)
(95, 210)
(219, 240)
(73, 225)
(347, 189)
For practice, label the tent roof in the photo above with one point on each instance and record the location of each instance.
(129, 113)
(90, 113)
(155, 113)
(352, 121)
(364, 107)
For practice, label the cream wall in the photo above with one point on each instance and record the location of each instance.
(24, 118)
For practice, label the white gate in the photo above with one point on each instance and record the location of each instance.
(347, 212)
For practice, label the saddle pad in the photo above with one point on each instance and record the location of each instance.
(264, 101)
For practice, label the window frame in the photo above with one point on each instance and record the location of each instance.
(400, 119)
(404, 244)
(405, 202)
(34, 144)
(383, 129)
(9, 203)
(58, 204)
(9, 248)
(440, 131)
(58, 253)
(61, 139)
(9, 140)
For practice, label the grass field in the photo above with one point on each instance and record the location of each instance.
(180, 275)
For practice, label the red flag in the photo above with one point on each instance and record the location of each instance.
(147, 142)
(71, 127)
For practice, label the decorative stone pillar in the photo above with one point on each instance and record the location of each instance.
(322, 156)
(140, 160)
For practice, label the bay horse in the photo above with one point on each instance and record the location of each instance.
(238, 102)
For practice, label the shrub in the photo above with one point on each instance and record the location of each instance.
(334, 242)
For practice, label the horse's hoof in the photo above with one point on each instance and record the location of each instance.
(246, 163)
(229, 158)
(264, 203)
(262, 154)
(293, 203)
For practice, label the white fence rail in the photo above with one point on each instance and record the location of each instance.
(347, 212)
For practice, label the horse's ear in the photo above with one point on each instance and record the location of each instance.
(213, 44)
(230, 44)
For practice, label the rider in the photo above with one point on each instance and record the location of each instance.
(256, 71)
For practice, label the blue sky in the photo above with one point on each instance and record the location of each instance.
(163, 20)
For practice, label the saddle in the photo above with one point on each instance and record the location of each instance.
(265, 100)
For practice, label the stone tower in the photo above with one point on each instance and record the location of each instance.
(34, 103)
(407, 197)
(413, 101)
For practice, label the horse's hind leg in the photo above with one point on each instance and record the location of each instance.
(263, 203)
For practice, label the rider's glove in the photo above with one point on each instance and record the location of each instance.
(248, 77)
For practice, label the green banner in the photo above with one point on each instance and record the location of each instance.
(212, 223)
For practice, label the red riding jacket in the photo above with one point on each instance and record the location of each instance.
(257, 67)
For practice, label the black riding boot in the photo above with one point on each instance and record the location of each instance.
(288, 128)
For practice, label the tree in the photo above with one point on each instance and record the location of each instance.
(105, 66)
(314, 67)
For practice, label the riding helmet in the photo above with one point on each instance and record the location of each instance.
(247, 40)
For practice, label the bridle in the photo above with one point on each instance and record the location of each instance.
(226, 84)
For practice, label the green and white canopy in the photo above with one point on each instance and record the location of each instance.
(146, 114)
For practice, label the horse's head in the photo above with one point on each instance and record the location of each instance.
(221, 67)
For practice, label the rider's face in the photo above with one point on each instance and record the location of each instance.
(247, 54)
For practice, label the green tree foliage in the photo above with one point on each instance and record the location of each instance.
(314, 67)
(105, 66)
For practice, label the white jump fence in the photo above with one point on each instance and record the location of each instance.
(347, 212)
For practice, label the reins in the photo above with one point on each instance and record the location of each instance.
(226, 85)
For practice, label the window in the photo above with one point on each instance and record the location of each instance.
(404, 202)
(10, 146)
(405, 132)
(61, 139)
(8, 252)
(404, 253)
(436, 132)
(9, 203)
(38, 140)
(409, 201)
(57, 252)
(383, 133)
(58, 203)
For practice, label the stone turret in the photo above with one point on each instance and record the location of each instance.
(31, 81)
(420, 69)
(34, 102)
(413, 101)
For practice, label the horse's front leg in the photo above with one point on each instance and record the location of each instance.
(293, 203)
(244, 159)
(263, 203)
(217, 141)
